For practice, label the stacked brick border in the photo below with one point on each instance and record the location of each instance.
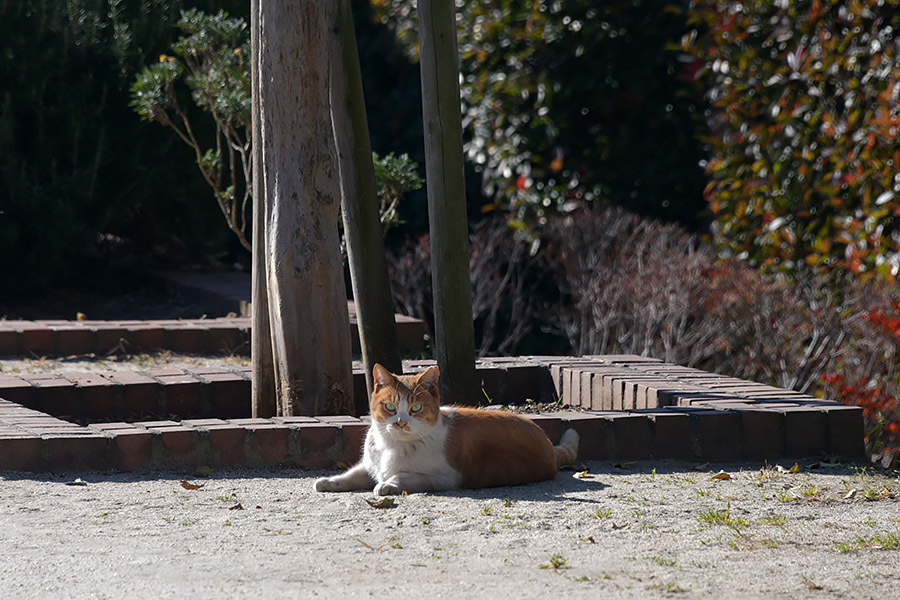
(190, 336)
(629, 408)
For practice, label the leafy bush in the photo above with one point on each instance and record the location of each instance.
(212, 59)
(571, 100)
(869, 375)
(78, 174)
(805, 120)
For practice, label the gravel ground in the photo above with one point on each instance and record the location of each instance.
(650, 529)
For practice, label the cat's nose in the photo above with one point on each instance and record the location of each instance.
(400, 425)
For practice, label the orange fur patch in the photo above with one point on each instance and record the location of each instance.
(491, 448)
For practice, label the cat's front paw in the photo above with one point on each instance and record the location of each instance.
(388, 488)
(325, 484)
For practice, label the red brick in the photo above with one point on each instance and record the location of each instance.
(69, 452)
(805, 431)
(73, 339)
(182, 395)
(228, 393)
(133, 448)
(268, 444)
(353, 436)
(226, 445)
(762, 434)
(846, 431)
(147, 337)
(523, 382)
(36, 338)
(9, 340)
(226, 338)
(109, 337)
(550, 424)
(16, 390)
(56, 396)
(99, 396)
(319, 445)
(180, 440)
(21, 454)
(186, 338)
(141, 399)
(596, 433)
(671, 435)
(633, 436)
(718, 434)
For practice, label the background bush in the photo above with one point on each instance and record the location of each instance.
(805, 131)
(80, 175)
(573, 100)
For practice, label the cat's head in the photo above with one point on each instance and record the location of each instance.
(405, 407)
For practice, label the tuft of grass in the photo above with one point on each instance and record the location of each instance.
(880, 541)
(662, 561)
(722, 517)
(668, 587)
(773, 519)
(602, 513)
(557, 561)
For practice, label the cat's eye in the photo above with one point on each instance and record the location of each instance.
(415, 408)
(390, 407)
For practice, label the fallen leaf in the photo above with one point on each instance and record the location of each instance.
(386, 502)
(851, 494)
(581, 474)
(190, 486)
(341, 466)
(237, 506)
(80, 316)
(79, 482)
(624, 465)
(702, 467)
(723, 476)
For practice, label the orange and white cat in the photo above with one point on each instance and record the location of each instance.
(416, 445)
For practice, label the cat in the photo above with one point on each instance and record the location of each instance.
(416, 445)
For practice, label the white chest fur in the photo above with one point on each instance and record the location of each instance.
(387, 455)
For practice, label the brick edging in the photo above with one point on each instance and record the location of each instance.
(186, 336)
(697, 416)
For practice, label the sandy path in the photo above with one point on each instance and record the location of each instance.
(635, 532)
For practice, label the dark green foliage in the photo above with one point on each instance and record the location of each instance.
(78, 174)
(573, 100)
(805, 122)
(212, 60)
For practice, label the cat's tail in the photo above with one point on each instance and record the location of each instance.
(567, 449)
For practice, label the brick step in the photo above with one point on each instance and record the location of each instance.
(189, 336)
(696, 416)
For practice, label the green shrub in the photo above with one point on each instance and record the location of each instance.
(573, 100)
(76, 168)
(805, 147)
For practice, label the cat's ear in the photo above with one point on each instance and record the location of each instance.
(430, 378)
(382, 377)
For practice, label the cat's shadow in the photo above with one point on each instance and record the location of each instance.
(564, 487)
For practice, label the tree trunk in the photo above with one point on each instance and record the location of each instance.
(262, 401)
(307, 303)
(359, 205)
(445, 180)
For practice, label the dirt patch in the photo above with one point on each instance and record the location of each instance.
(650, 529)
